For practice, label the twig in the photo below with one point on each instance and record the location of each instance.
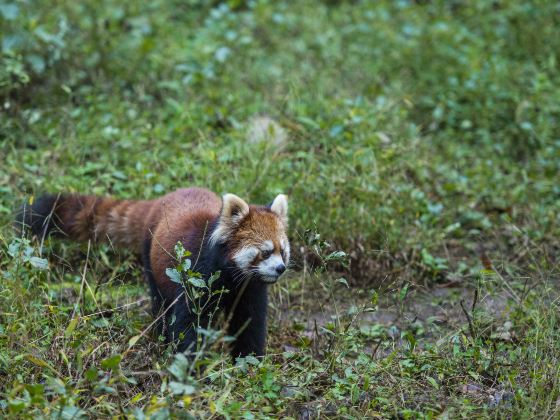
(475, 300)
(471, 327)
(115, 309)
(374, 352)
(80, 296)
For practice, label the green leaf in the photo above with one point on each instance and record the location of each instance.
(100, 323)
(197, 282)
(309, 122)
(215, 276)
(433, 382)
(112, 362)
(133, 340)
(179, 388)
(404, 292)
(40, 263)
(37, 63)
(13, 248)
(252, 360)
(179, 250)
(343, 281)
(336, 256)
(411, 339)
(37, 361)
(120, 175)
(71, 327)
(70, 413)
(9, 11)
(179, 367)
(222, 54)
(91, 374)
(173, 275)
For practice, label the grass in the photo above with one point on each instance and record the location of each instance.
(421, 163)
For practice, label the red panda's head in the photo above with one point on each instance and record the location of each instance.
(255, 236)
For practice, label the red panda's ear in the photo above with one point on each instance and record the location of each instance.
(280, 207)
(234, 209)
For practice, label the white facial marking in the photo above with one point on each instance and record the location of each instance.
(286, 247)
(267, 268)
(245, 256)
(268, 246)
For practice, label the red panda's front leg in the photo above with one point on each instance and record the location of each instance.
(248, 320)
(182, 327)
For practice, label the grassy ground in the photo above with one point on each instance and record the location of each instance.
(422, 142)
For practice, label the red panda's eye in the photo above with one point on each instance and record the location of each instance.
(265, 254)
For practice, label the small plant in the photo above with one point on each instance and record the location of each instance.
(21, 250)
(204, 297)
(435, 265)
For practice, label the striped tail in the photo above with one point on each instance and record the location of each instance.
(85, 217)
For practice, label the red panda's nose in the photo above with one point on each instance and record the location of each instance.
(280, 268)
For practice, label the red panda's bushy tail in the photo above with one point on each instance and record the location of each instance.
(84, 217)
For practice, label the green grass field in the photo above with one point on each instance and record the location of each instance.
(419, 144)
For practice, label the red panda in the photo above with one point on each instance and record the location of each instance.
(247, 244)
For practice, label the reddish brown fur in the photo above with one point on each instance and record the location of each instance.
(89, 217)
(184, 215)
(259, 224)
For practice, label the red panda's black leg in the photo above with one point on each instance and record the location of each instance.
(248, 321)
(158, 303)
(182, 327)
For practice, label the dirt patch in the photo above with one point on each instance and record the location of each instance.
(434, 312)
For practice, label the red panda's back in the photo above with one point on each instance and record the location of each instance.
(190, 201)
